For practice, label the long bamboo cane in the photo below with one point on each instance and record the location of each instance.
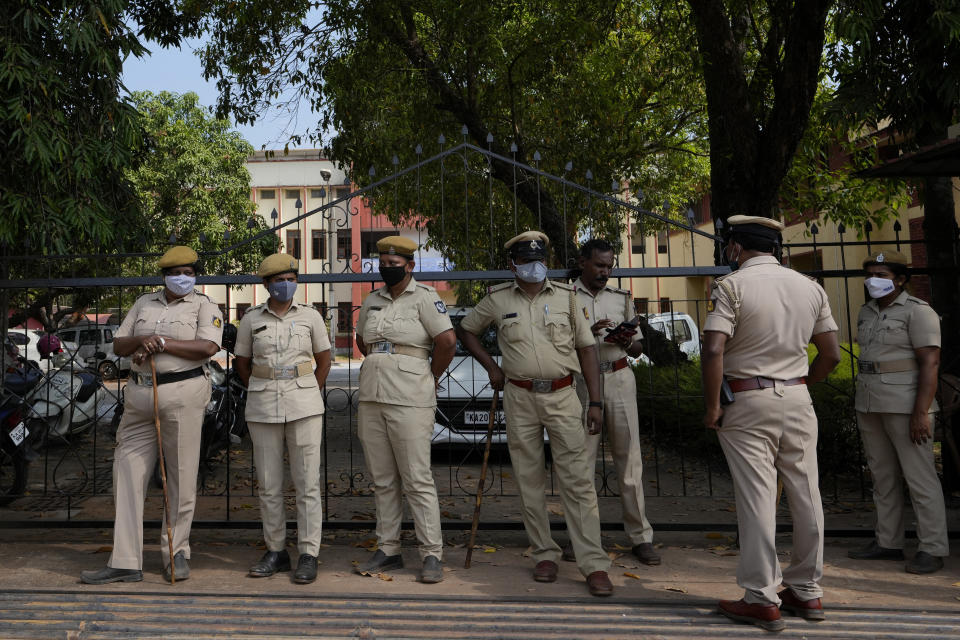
(483, 479)
(163, 468)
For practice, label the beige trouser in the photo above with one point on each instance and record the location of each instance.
(528, 413)
(396, 444)
(621, 424)
(181, 407)
(763, 432)
(893, 457)
(303, 438)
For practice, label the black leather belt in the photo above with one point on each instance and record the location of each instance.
(165, 378)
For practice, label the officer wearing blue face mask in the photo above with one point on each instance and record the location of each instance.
(283, 354)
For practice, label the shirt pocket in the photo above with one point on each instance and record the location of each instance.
(558, 327)
(302, 339)
(410, 364)
(406, 324)
(370, 331)
(307, 382)
(257, 384)
(184, 328)
(899, 378)
(264, 343)
(894, 332)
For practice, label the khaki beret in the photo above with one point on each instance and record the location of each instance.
(278, 263)
(529, 244)
(178, 256)
(397, 246)
(887, 256)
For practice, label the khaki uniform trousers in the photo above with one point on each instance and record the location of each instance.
(528, 413)
(621, 425)
(396, 443)
(303, 438)
(893, 457)
(764, 432)
(182, 406)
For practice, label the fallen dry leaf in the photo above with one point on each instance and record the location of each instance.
(104, 549)
(557, 511)
(489, 550)
(369, 543)
(620, 547)
(385, 577)
(713, 535)
(677, 589)
(613, 555)
(631, 575)
(955, 584)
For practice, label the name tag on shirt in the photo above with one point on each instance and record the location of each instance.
(259, 329)
(509, 315)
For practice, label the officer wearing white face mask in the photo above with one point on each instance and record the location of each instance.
(278, 343)
(180, 329)
(899, 337)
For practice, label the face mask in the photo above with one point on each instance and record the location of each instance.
(283, 290)
(879, 287)
(393, 275)
(733, 263)
(532, 271)
(180, 285)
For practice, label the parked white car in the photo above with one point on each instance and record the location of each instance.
(26, 341)
(678, 327)
(92, 339)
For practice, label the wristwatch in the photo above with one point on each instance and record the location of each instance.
(599, 405)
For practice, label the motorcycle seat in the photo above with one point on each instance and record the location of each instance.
(22, 382)
(88, 385)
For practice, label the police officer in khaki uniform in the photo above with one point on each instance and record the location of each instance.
(397, 326)
(760, 321)
(605, 307)
(545, 341)
(278, 343)
(899, 338)
(180, 329)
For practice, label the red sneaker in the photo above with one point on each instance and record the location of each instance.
(765, 616)
(806, 609)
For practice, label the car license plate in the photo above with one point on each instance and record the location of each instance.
(482, 417)
(19, 434)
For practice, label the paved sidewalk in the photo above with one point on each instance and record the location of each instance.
(697, 569)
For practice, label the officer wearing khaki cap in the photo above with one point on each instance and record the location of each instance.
(180, 329)
(283, 355)
(544, 342)
(899, 337)
(397, 327)
(761, 318)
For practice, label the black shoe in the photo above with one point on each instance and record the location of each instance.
(306, 569)
(874, 551)
(923, 562)
(271, 563)
(108, 575)
(378, 563)
(180, 566)
(646, 554)
(432, 571)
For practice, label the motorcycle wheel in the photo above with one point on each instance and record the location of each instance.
(108, 370)
(13, 473)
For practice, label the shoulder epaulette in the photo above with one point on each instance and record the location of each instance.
(917, 300)
(499, 287)
(726, 275)
(200, 293)
(256, 307)
(148, 293)
(420, 285)
(621, 291)
(566, 286)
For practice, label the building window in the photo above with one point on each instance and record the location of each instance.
(369, 240)
(242, 309)
(638, 246)
(345, 317)
(322, 308)
(318, 245)
(661, 242)
(268, 194)
(664, 305)
(291, 194)
(293, 243)
(641, 306)
(317, 194)
(344, 248)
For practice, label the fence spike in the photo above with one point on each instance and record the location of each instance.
(489, 138)
(202, 237)
(867, 226)
(639, 196)
(536, 156)
(666, 206)
(441, 139)
(841, 228)
(418, 149)
(371, 172)
(173, 238)
(299, 203)
(226, 235)
(614, 186)
(251, 223)
(323, 193)
(897, 226)
(395, 160)
(274, 214)
(464, 130)
(589, 174)
(814, 229)
(513, 147)
(568, 166)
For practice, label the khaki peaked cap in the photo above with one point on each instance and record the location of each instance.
(178, 256)
(397, 246)
(887, 256)
(278, 263)
(529, 244)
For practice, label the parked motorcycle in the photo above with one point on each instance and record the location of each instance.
(66, 403)
(15, 453)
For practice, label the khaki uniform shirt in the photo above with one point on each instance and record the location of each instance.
(538, 336)
(272, 341)
(770, 320)
(413, 319)
(893, 333)
(192, 317)
(609, 303)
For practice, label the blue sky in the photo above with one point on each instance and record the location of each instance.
(179, 71)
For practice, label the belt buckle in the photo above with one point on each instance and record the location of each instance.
(606, 367)
(382, 347)
(867, 367)
(144, 380)
(285, 373)
(542, 386)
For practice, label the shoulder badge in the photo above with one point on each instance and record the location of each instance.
(441, 308)
(217, 322)
(711, 305)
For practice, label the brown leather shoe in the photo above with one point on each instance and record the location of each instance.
(545, 571)
(567, 554)
(646, 554)
(806, 609)
(599, 584)
(765, 616)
